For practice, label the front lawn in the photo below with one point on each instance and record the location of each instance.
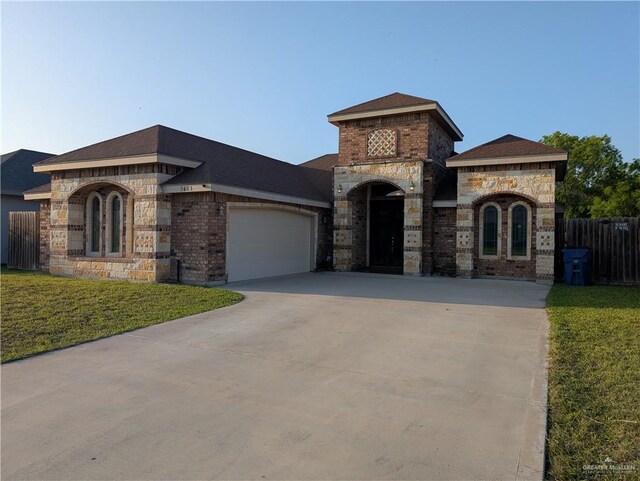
(594, 382)
(42, 312)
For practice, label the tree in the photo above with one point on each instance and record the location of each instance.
(594, 164)
(622, 200)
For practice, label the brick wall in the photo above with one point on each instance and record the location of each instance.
(440, 142)
(429, 187)
(359, 208)
(45, 232)
(199, 230)
(444, 246)
(412, 137)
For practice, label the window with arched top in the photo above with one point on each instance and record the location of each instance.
(94, 225)
(490, 230)
(116, 213)
(115, 224)
(519, 231)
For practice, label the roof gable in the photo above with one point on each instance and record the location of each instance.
(507, 146)
(391, 101)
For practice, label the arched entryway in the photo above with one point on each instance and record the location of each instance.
(378, 227)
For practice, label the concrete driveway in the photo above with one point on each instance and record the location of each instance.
(318, 376)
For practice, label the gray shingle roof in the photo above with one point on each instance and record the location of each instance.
(391, 101)
(324, 162)
(221, 163)
(507, 146)
(16, 171)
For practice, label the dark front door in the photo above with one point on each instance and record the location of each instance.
(386, 233)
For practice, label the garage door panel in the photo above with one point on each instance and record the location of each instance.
(268, 242)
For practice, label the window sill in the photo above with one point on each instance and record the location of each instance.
(99, 259)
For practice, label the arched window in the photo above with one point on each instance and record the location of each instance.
(116, 214)
(490, 231)
(93, 225)
(114, 228)
(519, 231)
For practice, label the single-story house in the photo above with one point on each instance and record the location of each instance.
(160, 204)
(17, 176)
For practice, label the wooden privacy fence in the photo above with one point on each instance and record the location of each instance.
(24, 240)
(615, 245)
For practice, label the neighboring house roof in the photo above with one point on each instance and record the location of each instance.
(16, 171)
(507, 146)
(396, 104)
(217, 163)
(391, 101)
(324, 162)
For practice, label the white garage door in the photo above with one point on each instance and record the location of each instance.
(267, 242)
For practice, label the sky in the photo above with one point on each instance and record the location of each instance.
(264, 76)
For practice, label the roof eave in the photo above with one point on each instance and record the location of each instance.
(116, 161)
(335, 119)
(37, 196)
(520, 159)
(242, 191)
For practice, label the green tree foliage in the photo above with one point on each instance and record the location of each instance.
(598, 182)
(621, 200)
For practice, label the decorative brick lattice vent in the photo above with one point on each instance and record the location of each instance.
(381, 143)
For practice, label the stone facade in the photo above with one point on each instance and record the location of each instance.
(349, 221)
(392, 159)
(415, 165)
(531, 183)
(147, 214)
(45, 234)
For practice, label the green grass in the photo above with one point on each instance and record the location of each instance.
(42, 312)
(594, 381)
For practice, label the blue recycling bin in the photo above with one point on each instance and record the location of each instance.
(577, 266)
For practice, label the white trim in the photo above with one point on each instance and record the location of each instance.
(498, 253)
(132, 160)
(37, 196)
(510, 256)
(226, 189)
(444, 203)
(396, 111)
(313, 261)
(521, 159)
